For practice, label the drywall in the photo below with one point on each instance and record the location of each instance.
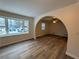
(12, 39)
(70, 17)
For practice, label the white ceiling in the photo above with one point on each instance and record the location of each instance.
(33, 7)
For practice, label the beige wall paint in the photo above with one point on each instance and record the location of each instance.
(12, 39)
(70, 17)
(57, 29)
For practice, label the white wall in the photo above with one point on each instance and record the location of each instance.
(70, 17)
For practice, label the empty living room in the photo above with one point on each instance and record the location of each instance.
(39, 29)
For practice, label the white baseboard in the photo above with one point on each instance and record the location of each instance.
(71, 55)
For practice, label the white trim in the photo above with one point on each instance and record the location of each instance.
(71, 55)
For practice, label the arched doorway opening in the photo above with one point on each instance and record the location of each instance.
(52, 27)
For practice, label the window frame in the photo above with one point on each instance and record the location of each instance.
(6, 27)
(43, 27)
(26, 26)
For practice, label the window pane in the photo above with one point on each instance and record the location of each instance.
(43, 26)
(26, 26)
(15, 26)
(2, 30)
(2, 21)
(26, 23)
(26, 30)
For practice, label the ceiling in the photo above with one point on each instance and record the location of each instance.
(33, 7)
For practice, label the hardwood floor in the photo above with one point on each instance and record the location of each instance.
(48, 47)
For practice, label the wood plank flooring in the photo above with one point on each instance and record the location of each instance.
(48, 47)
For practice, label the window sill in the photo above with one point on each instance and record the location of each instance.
(13, 34)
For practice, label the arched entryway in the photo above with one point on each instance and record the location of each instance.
(52, 26)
